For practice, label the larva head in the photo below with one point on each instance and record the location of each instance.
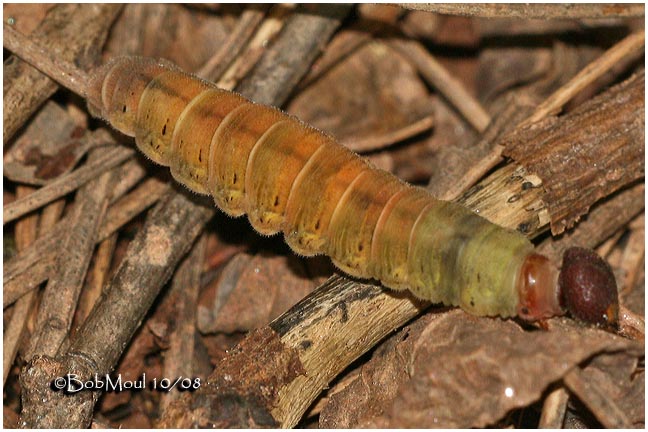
(588, 288)
(115, 89)
(538, 289)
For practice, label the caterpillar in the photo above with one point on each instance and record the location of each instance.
(292, 178)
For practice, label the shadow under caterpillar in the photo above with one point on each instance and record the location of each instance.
(292, 178)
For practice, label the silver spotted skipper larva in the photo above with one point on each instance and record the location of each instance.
(289, 177)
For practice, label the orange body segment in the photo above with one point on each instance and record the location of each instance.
(161, 104)
(117, 99)
(192, 137)
(316, 193)
(274, 163)
(353, 223)
(229, 153)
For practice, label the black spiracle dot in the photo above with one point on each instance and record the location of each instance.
(124, 109)
(164, 130)
(317, 225)
(360, 247)
(276, 201)
(524, 227)
(200, 155)
(234, 178)
(306, 344)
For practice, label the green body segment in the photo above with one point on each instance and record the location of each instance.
(292, 178)
(458, 258)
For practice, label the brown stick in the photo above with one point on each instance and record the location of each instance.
(60, 297)
(381, 141)
(471, 166)
(629, 47)
(149, 262)
(273, 23)
(20, 315)
(220, 61)
(603, 139)
(130, 174)
(341, 47)
(292, 44)
(66, 184)
(446, 84)
(553, 409)
(603, 407)
(186, 285)
(30, 267)
(74, 78)
(97, 276)
(530, 10)
(25, 235)
(124, 210)
(35, 264)
(75, 32)
(602, 222)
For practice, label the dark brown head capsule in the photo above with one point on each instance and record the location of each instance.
(587, 287)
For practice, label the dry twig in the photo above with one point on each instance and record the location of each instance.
(76, 32)
(628, 47)
(66, 184)
(220, 61)
(441, 79)
(530, 10)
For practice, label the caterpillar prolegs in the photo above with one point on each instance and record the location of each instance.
(289, 177)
